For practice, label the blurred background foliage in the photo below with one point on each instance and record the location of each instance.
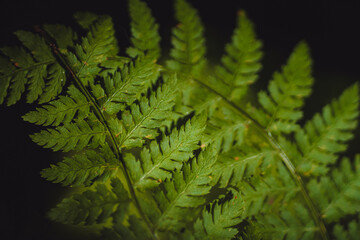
(330, 27)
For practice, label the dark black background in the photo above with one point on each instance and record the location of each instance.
(329, 26)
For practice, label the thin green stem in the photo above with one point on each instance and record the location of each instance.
(102, 119)
(285, 159)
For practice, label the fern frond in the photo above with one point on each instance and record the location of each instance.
(225, 130)
(84, 168)
(72, 136)
(287, 91)
(127, 84)
(145, 36)
(188, 41)
(132, 228)
(143, 119)
(99, 44)
(338, 194)
(91, 207)
(240, 164)
(241, 63)
(176, 202)
(64, 36)
(293, 222)
(220, 220)
(62, 110)
(351, 233)
(326, 135)
(30, 67)
(158, 161)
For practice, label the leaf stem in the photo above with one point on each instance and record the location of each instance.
(285, 159)
(102, 119)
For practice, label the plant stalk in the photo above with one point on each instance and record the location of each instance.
(102, 119)
(285, 159)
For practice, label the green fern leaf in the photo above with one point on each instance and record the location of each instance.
(240, 64)
(351, 233)
(62, 110)
(338, 194)
(220, 220)
(225, 130)
(142, 119)
(288, 89)
(91, 207)
(145, 36)
(83, 168)
(99, 44)
(175, 202)
(326, 135)
(157, 162)
(291, 223)
(72, 136)
(188, 42)
(126, 85)
(30, 69)
(64, 37)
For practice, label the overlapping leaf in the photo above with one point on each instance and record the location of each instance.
(99, 44)
(92, 206)
(34, 67)
(61, 111)
(157, 162)
(126, 85)
(338, 194)
(72, 136)
(84, 168)
(143, 119)
(175, 202)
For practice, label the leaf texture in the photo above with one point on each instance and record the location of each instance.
(61, 111)
(188, 42)
(326, 134)
(84, 168)
(287, 92)
(241, 63)
(92, 206)
(72, 136)
(157, 162)
(338, 194)
(145, 37)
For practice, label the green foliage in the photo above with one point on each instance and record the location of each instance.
(174, 149)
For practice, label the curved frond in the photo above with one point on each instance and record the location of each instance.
(34, 67)
(92, 206)
(351, 232)
(62, 110)
(187, 39)
(292, 222)
(72, 136)
(99, 44)
(176, 202)
(287, 92)
(157, 162)
(143, 119)
(327, 134)
(241, 63)
(84, 168)
(126, 85)
(220, 220)
(145, 37)
(338, 193)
